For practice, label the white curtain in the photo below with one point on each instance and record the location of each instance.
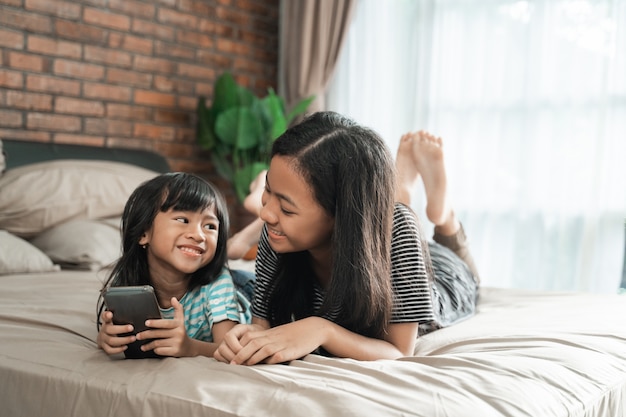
(530, 99)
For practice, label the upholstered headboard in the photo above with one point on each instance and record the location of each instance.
(23, 153)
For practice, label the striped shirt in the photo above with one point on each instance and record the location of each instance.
(209, 304)
(409, 280)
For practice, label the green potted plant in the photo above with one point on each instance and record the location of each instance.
(239, 129)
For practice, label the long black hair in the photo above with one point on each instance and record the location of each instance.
(352, 176)
(178, 191)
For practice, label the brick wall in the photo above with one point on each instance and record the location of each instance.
(128, 73)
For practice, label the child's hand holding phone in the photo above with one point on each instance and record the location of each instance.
(168, 337)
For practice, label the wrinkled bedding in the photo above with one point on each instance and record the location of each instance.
(522, 354)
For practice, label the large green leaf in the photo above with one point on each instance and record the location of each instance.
(225, 93)
(239, 128)
(276, 108)
(206, 121)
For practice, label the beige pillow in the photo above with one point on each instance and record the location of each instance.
(81, 244)
(19, 256)
(36, 197)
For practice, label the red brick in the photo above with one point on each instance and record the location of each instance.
(133, 8)
(195, 39)
(11, 79)
(196, 71)
(181, 165)
(101, 126)
(228, 46)
(268, 28)
(204, 89)
(233, 16)
(55, 47)
(26, 62)
(196, 7)
(14, 3)
(152, 98)
(53, 122)
(248, 65)
(48, 84)
(23, 20)
(78, 70)
(215, 60)
(187, 135)
(173, 50)
(153, 131)
(257, 40)
(107, 92)
(175, 150)
(29, 101)
(124, 111)
(11, 39)
(78, 106)
(79, 139)
(21, 134)
(172, 117)
(10, 118)
(117, 76)
(187, 103)
(266, 56)
(107, 56)
(216, 28)
(80, 32)
(144, 63)
(167, 84)
(59, 8)
(175, 18)
(106, 19)
(131, 43)
(131, 143)
(163, 84)
(153, 29)
(266, 8)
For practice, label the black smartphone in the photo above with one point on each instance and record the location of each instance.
(133, 305)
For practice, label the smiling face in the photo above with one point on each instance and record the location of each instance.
(295, 220)
(181, 242)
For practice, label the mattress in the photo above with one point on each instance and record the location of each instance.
(523, 354)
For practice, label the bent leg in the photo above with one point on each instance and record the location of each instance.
(455, 291)
(457, 243)
(454, 276)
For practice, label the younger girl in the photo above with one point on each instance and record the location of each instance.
(174, 233)
(341, 265)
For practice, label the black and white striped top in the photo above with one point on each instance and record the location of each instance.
(411, 289)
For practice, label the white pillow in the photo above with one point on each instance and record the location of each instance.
(19, 256)
(36, 197)
(81, 244)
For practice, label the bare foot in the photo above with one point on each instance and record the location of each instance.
(406, 170)
(240, 243)
(252, 202)
(428, 157)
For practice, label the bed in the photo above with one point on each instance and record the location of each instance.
(523, 354)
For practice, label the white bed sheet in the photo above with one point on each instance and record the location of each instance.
(523, 354)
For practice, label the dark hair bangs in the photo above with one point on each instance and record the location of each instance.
(188, 195)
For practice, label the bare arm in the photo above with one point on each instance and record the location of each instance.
(257, 343)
